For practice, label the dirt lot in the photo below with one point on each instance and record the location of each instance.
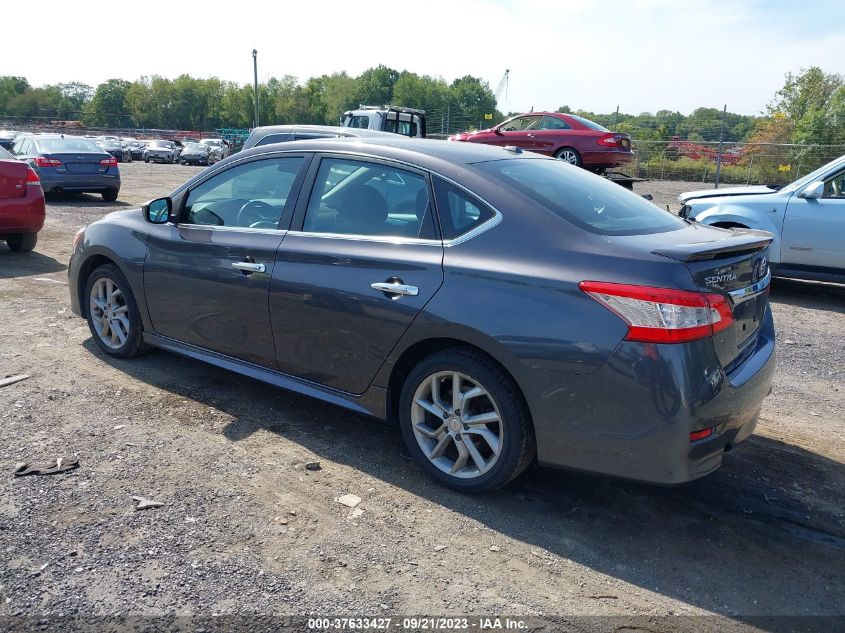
(245, 528)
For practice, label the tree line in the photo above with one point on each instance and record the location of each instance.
(810, 108)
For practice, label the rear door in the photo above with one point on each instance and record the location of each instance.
(363, 261)
(207, 279)
(814, 228)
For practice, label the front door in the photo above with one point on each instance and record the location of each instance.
(207, 278)
(348, 284)
(520, 132)
(814, 228)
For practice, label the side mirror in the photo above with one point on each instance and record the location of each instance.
(497, 130)
(813, 190)
(157, 211)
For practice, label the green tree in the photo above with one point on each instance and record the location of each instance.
(107, 107)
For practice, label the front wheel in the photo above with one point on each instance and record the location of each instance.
(569, 155)
(22, 242)
(113, 316)
(465, 421)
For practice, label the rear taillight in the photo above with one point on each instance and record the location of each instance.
(609, 140)
(109, 162)
(43, 161)
(32, 177)
(662, 315)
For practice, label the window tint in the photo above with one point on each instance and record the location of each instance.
(360, 198)
(593, 203)
(553, 123)
(459, 212)
(273, 138)
(252, 195)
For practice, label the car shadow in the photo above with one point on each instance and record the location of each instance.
(14, 264)
(82, 200)
(743, 542)
(809, 294)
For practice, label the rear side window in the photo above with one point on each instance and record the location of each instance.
(459, 211)
(370, 199)
(589, 201)
(553, 123)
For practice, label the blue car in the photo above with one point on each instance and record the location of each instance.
(70, 164)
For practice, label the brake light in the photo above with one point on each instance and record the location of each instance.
(662, 315)
(32, 177)
(702, 434)
(609, 140)
(111, 161)
(43, 161)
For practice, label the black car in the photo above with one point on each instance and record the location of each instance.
(502, 306)
(195, 154)
(115, 147)
(136, 148)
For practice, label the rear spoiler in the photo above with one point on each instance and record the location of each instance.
(740, 241)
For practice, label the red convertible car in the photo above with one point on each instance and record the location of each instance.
(21, 203)
(571, 138)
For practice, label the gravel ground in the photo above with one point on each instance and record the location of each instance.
(245, 528)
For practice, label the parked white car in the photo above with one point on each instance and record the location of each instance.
(806, 217)
(218, 149)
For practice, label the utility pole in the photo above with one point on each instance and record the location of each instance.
(255, 75)
(721, 142)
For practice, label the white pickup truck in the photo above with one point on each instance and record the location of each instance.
(396, 119)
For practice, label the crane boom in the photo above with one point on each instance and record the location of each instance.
(503, 85)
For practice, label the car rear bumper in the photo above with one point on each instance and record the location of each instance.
(78, 183)
(606, 158)
(633, 417)
(23, 215)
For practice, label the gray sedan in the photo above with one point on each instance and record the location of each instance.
(502, 307)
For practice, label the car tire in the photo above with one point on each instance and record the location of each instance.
(146, 160)
(110, 195)
(459, 449)
(569, 155)
(22, 242)
(119, 312)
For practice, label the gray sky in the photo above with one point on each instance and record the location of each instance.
(642, 55)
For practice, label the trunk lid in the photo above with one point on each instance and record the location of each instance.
(12, 179)
(80, 162)
(734, 264)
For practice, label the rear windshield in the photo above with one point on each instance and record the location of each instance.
(593, 203)
(55, 145)
(590, 124)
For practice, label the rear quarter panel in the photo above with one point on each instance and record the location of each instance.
(765, 214)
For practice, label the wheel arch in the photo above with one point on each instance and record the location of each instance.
(416, 351)
(100, 257)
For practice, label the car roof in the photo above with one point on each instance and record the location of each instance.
(423, 152)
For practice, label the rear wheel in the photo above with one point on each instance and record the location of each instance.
(464, 420)
(146, 160)
(113, 316)
(22, 242)
(110, 195)
(569, 155)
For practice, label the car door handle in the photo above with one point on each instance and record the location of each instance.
(249, 267)
(396, 289)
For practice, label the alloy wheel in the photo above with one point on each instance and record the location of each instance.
(457, 424)
(568, 156)
(109, 313)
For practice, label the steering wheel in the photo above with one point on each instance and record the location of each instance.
(258, 212)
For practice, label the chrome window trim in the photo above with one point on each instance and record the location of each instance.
(231, 229)
(368, 238)
(743, 294)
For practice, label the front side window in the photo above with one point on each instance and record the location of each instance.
(553, 123)
(459, 211)
(522, 123)
(593, 203)
(359, 121)
(251, 195)
(835, 187)
(361, 198)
